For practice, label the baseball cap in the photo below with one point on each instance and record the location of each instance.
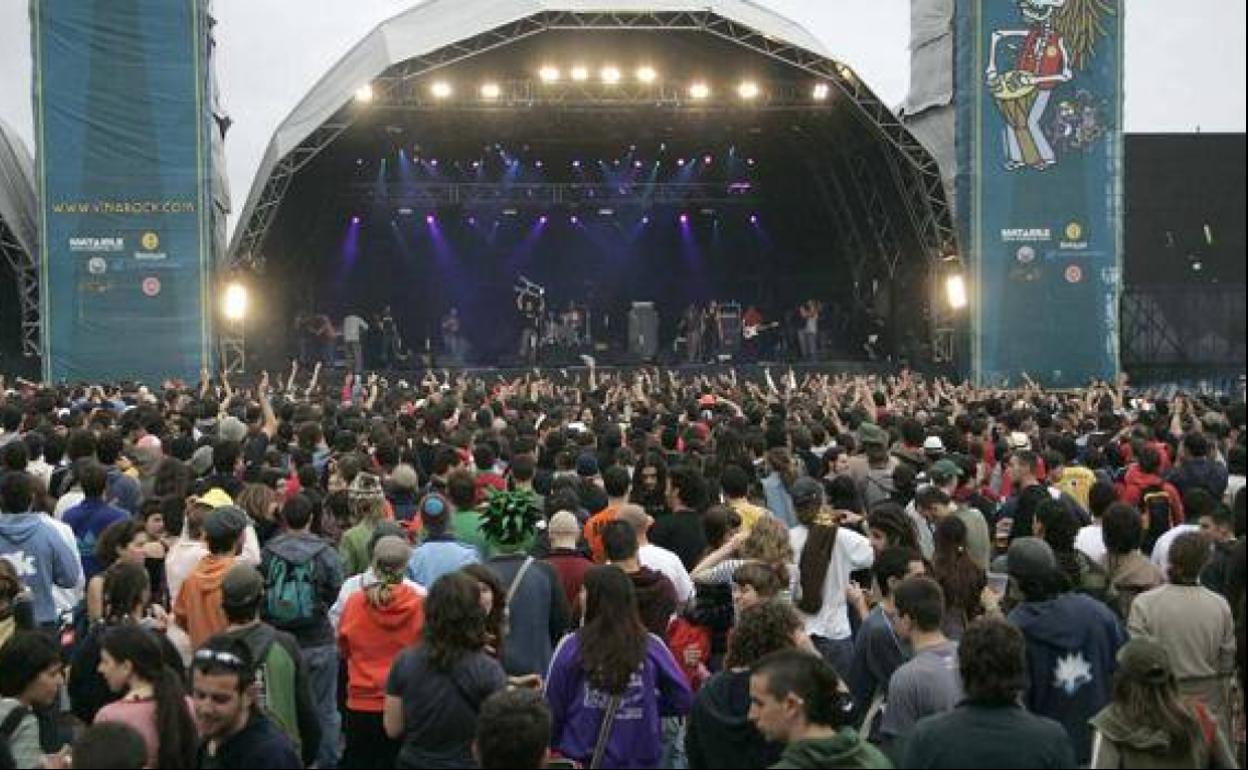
(392, 553)
(587, 465)
(232, 429)
(1030, 557)
(201, 460)
(564, 523)
(404, 477)
(934, 444)
(1019, 441)
(806, 492)
(871, 434)
(214, 498)
(1144, 659)
(241, 586)
(944, 470)
(365, 486)
(225, 521)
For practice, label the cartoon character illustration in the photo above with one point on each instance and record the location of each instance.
(1060, 39)
(1077, 124)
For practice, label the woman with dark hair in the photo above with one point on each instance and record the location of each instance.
(781, 476)
(261, 505)
(17, 612)
(961, 581)
(610, 661)
(31, 675)
(122, 541)
(720, 733)
(1129, 572)
(754, 583)
(649, 489)
(1057, 527)
(888, 526)
(126, 599)
(1148, 723)
(153, 701)
(494, 603)
(436, 689)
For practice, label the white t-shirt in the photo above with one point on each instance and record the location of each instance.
(851, 552)
(662, 560)
(352, 325)
(1091, 542)
(1161, 549)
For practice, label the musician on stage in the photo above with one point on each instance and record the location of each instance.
(391, 347)
(713, 339)
(751, 319)
(531, 303)
(808, 335)
(452, 343)
(694, 326)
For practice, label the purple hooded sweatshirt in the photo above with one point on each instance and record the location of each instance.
(658, 689)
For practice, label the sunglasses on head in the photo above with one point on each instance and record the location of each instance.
(219, 657)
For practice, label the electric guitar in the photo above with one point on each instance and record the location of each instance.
(750, 332)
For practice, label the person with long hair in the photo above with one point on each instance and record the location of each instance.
(261, 505)
(767, 544)
(649, 488)
(1148, 723)
(493, 595)
(720, 733)
(888, 526)
(778, 483)
(124, 541)
(436, 688)
(961, 581)
(1055, 524)
(611, 661)
(377, 624)
(152, 701)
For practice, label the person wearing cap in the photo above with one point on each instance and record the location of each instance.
(286, 696)
(566, 558)
(401, 492)
(368, 506)
(198, 605)
(303, 573)
(933, 448)
(356, 583)
(234, 730)
(990, 728)
(377, 624)
(873, 471)
(1194, 624)
(1149, 724)
(1071, 641)
(439, 553)
(936, 501)
(656, 557)
(826, 554)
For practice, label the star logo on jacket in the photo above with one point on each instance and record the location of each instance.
(23, 565)
(1073, 672)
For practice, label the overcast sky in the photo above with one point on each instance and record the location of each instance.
(1185, 60)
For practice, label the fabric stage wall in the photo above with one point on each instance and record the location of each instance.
(123, 167)
(1040, 179)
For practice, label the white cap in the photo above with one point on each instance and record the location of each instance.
(933, 444)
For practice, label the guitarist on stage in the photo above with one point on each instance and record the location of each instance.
(808, 335)
(751, 326)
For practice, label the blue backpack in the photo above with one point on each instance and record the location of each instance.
(290, 593)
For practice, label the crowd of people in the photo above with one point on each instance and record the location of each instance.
(637, 568)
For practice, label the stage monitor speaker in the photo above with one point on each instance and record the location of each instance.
(643, 330)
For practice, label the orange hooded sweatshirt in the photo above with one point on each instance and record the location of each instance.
(371, 636)
(198, 606)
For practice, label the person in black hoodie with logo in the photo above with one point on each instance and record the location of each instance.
(1071, 643)
(719, 730)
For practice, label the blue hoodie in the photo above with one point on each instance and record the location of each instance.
(1072, 642)
(41, 558)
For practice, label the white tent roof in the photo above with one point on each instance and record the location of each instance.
(18, 204)
(438, 23)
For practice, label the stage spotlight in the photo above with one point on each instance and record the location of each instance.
(576, 164)
(955, 291)
(441, 90)
(748, 90)
(610, 75)
(580, 73)
(234, 306)
(550, 74)
(430, 219)
(472, 221)
(364, 93)
(753, 219)
(684, 219)
(699, 91)
(680, 161)
(646, 219)
(543, 219)
(820, 92)
(574, 219)
(708, 159)
(538, 164)
(637, 164)
(491, 91)
(359, 161)
(749, 161)
(355, 220)
(647, 74)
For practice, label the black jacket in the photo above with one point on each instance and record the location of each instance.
(719, 731)
(681, 532)
(261, 744)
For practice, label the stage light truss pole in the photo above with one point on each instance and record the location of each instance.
(1146, 333)
(551, 193)
(27, 273)
(232, 336)
(773, 95)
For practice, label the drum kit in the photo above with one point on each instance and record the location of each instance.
(567, 328)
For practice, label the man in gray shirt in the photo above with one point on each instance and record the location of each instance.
(929, 683)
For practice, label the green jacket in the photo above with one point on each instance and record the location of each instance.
(353, 550)
(845, 749)
(466, 526)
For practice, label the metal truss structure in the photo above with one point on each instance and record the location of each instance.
(912, 170)
(1169, 331)
(26, 270)
(440, 194)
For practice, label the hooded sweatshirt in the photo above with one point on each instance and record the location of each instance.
(371, 636)
(720, 733)
(1123, 743)
(1131, 490)
(658, 690)
(1072, 641)
(656, 600)
(198, 606)
(300, 548)
(845, 749)
(41, 558)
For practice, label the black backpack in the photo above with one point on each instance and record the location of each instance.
(1156, 513)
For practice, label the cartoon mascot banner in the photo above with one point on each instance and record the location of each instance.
(1040, 181)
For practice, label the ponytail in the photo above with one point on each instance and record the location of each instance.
(814, 562)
